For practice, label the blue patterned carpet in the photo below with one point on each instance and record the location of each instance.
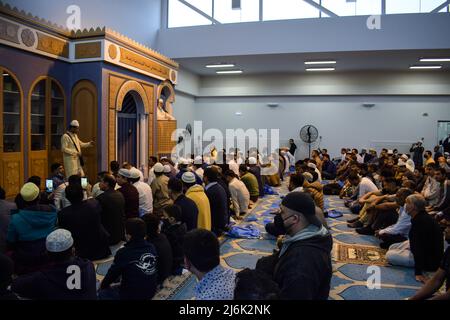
(352, 255)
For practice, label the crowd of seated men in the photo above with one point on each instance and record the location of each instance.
(169, 221)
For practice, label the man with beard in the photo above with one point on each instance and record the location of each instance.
(431, 288)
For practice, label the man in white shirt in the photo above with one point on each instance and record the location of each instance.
(232, 164)
(145, 193)
(71, 147)
(431, 188)
(240, 197)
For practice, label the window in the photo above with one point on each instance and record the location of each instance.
(402, 6)
(352, 8)
(288, 9)
(57, 117)
(11, 114)
(181, 15)
(429, 5)
(37, 117)
(224, 13)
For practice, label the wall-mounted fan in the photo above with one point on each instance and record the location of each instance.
(309, 135)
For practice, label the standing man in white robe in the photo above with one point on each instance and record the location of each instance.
(71, 147)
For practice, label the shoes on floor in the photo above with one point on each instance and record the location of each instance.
(366, 231)
(353, 220)
(356, 224)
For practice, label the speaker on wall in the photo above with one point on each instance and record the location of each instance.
(236, 4)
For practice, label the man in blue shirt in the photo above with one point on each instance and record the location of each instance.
(397, 232)
(202, 258)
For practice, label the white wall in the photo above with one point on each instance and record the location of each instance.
(331, 102)
(341, 121)
(137, 19)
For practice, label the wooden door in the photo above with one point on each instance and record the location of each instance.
(11, 137)
(85, 109)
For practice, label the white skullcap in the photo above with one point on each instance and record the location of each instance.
(252, 160)
(75, 123)
(167, 168)
(312, 165)
(135, 173)
(125, 173)
(158, 168)
(188, 177)
(59, 241)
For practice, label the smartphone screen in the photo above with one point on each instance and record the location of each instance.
(84, 183)
(49, 185)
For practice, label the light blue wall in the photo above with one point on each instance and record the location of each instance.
(398, 32)
(137, 19)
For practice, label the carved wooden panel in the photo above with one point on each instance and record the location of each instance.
(150, 91)
(88, 50)
(9, 31)
(53, 45)
(151, 134)
(115, 83)
(38, 165)
(111, 135)
(138, 61)
(165, 129)
(12, 177)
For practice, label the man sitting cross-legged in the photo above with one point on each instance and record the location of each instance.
(399, 231)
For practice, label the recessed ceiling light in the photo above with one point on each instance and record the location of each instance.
(320, 69)
(425, 67)
(320, 62)
(238, 113)
(229, 72)
(435, 60)
(223, 65)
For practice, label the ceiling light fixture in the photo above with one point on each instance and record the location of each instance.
(320, 69)
(425, 67)
(229, 72)
(223, 65)
(435, 60)
(320, 62)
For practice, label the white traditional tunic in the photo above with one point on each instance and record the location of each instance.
(71, 159)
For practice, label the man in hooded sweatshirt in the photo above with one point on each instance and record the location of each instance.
(28, 229)
(67, 277)
(302, 268)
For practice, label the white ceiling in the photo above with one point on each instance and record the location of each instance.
(294, 63)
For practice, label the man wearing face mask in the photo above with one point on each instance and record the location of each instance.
(431, 288)
(302, 268)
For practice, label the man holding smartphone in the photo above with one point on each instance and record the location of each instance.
(71, 147)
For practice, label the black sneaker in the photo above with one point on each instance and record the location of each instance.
(353, 220)
(368, 231)
(356, 224)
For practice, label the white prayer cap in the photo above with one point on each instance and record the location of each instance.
(410, 165)
(188, 177)
(167, 168)
(404, 157)
(390, 151)
(158, 168)
(183, 161)
(125, 173)
(252, 160)
(75, 123)
(401, 163)
(198, 160)
(59, 240)
(135, 173)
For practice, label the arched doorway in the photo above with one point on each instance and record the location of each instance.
(132, 133)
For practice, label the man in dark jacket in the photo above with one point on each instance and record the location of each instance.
(67, 277)
(162, 246)
(425, 237)
(217, 199)
(129, 192)
(82, 219)
(113, 209)
(189, 210)
(417, 149)
(328, 168)
(302, 269)
(175, 229)
(136, 263)
(256, 171)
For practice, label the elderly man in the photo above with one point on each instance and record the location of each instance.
(425, 247)
(302, 268)
(71, 147)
